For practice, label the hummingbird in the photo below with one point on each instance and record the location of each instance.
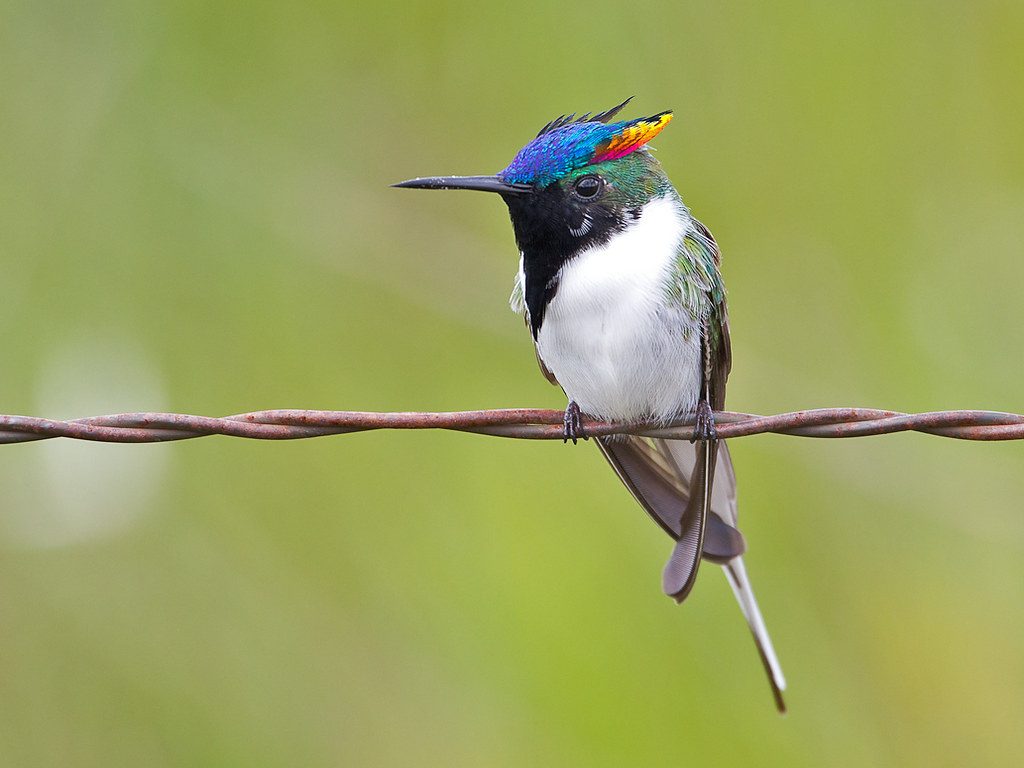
(621, 290)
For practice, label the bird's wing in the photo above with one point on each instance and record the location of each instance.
(697, 286)
(718, 325)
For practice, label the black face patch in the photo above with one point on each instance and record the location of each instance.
(551, 226)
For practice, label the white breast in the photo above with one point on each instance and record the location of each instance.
(610, 336)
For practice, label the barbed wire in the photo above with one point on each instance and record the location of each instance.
(523, 423)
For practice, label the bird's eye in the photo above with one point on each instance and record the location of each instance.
(588, 187)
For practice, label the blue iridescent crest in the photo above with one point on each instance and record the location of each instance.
(567, 144)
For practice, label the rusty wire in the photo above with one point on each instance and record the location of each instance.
(515, 422)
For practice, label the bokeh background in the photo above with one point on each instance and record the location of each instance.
(196, 217)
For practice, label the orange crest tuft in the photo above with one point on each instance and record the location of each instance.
(633, 135)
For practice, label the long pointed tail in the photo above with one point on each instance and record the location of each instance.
(662, 475)
(736, 573)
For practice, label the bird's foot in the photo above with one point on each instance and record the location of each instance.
(704, 427)
(572, 424)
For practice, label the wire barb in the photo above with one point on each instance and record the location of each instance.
(523, 423)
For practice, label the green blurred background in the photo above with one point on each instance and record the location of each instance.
(196, 217)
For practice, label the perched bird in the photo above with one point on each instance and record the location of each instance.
(621, 290)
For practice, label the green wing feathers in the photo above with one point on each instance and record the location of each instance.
(698, 287)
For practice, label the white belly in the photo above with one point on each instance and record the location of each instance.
(617, 346)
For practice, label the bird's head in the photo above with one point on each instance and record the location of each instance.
(578, 182)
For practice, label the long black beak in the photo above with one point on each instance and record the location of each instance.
(480, 183)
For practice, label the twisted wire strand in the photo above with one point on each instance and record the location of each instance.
(523, 423)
